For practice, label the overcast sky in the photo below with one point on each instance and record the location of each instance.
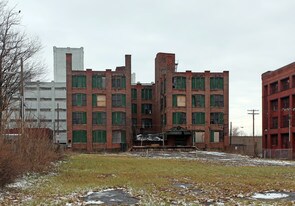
(245, 37)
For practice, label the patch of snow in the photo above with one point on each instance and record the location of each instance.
(20, 183)
(213, 153)
(269, 196)
(98, 202)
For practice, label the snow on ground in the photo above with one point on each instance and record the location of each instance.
(269, 196)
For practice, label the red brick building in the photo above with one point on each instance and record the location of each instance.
(99, 107)
(278, 109)
(104, 111)
(191, 107)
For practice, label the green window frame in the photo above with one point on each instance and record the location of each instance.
(179, 82)
(118, 136)
(134, 108)
(118, 100)
(198, 118)
(79, 118)
(118, 118)
(216, 83)
(134, 93)
(99, 118)
(98, 81)
(198, 100)
(198, 83)
(79, 81)
(177, 102)
(79, 136)
(216, 100)
(99, 136)
(118, 82)
(146, 93)
(216, 118)
(179, 118)
(79, 99)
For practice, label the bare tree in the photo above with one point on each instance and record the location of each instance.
(15, 45)
(236, 131)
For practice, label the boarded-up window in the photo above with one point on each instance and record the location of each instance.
(199, 137)
(98, 100)
(118, 137)
(216, 136)
(179, 100)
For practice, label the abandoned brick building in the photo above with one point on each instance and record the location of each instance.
(278, 108)
(106, 111)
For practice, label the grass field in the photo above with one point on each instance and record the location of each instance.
(155, 180)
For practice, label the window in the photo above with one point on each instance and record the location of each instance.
(45, 88)
(134, 108)
(118, 137)
(199, 136)
(146, 108)
(60, 99)
(285, 102)
(163, 103)
(79, 118)
(216, 136)
(274, 122)
(98, 81)
(99, 136)
(79, 136)
(98, 100)
(198, 83)
(216, 118)
(274, 140)
(178, 100)
(79, 81)
(216, 83)
(179, 118)
(163, 120)
(146, 93)
(134, 93)
(99, 118)
(118, 82)
(30, 99)
(274, 105)
(79, 99)
(198, 118)
(216, 101)
(45, 99)
(179, 83)
(284, 84)
(147, 123)
(285, 121)
(45, 110)
(118, 100)
(134, 122)
(118, 118)
(198, 100)
(274, 87)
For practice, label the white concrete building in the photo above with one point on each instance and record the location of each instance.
(44, 106)
(59, 61)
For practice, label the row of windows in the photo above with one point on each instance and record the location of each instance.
(285, 103)
(145, 108)
(99, 81)
(146, 93)
(99, 118)
(198, 100)
(145, 123)
(198, 83)
(99, 136)
(197, 118)
(284, 85)
(284, 122)
(119, 118)
(99, 100)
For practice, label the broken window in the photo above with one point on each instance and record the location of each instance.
(198, 100)
(79, 81)
(147, 123)
(98, 81)
(179, 83)
(118, 137)
(274, 105)
(274, 87)
(146, 93)
(216, 118)
(216, 136)
(146, 108)
(79, 99)
(199, 136)
(216, 100)
(216, 83)
(118, 82)
(118, 118)
(99, 118)
(134, 93)
(198, 118)
(118, 100)
(79, 118)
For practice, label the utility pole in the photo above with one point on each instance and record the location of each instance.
(254, 112)
(57, 119)
(230, 133)
(22, 94)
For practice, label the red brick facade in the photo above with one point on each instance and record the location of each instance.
(188, 108)
(278, 105)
